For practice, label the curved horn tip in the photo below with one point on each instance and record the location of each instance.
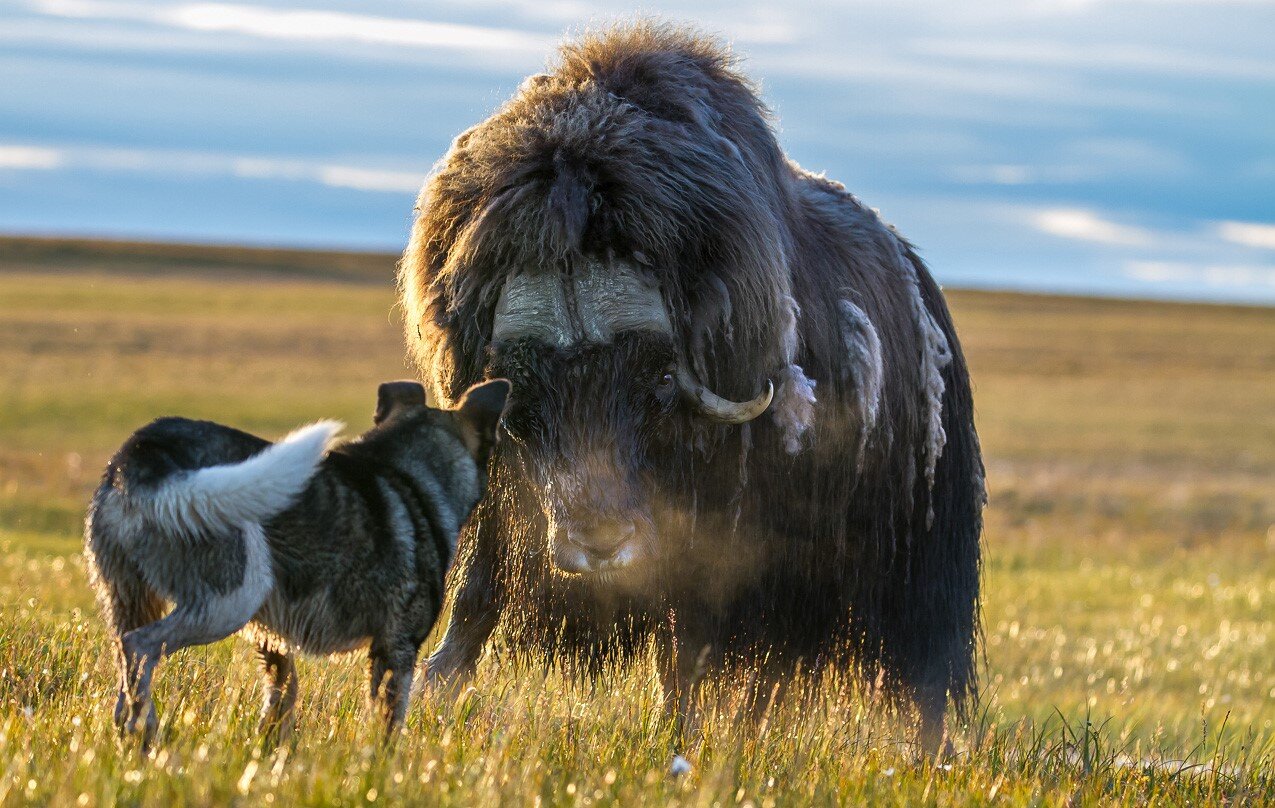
(717, 408)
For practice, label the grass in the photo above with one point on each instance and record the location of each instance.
(1130, 580)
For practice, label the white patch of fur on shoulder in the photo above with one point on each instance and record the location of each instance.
(935, 356)
(794, 408)
(219, 498)
(788, 340)
(864, 366)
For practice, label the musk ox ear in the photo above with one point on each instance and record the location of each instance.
(392, 396)
(479, 414)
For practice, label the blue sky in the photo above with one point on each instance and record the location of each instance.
(1112, 147)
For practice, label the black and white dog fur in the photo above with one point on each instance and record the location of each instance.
(305, 544)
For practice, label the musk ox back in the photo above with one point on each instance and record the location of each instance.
(741, 418)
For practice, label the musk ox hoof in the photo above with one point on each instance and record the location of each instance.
(445, 676)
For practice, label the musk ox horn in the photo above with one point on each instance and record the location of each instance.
(717, 408)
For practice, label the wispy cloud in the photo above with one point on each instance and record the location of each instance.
(29, 157)
(303, 25)
(1201, 241)
(1082, 160)
(187, 163)
(1248, 234)
(369, 179)
(1098, 56)
(1228, 275)
(997, 174)
(1085, 225)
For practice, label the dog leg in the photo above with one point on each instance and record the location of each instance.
(185, 626)
(378, 669)
(195, 621)
(392, 670)
(128, 604)
(126, 600)
(279, 673)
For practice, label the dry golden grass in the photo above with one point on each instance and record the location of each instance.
(1130, 583)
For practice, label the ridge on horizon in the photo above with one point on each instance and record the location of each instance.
(92, 253)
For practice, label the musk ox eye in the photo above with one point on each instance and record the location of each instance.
(665, 389)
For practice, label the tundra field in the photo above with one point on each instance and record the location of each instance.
(1129, 575)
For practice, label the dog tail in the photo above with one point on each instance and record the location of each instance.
(220, 498)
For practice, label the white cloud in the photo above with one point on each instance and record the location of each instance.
(29, 157)
(1109, 56)
(1225, 275)
(304, 25)
(366, 179)
(186, 163)
(1083, 160)
(1084, 225)
(1248, 234)
(998, 174)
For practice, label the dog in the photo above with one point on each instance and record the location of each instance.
(302, 545)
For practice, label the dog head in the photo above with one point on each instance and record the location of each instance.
(476, 417)
(395, 397)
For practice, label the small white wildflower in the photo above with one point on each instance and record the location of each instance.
(245, 781)
(679, 766)
(889, 772)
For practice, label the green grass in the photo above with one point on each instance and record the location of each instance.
(1130, 579)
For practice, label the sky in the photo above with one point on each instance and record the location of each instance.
(1115, 147)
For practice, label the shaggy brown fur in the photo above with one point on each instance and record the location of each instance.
(851, 523)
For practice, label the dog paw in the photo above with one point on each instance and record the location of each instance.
(136, 721)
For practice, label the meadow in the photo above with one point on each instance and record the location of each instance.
(1129, 579)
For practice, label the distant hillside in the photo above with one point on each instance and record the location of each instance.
(67, 255)
(25, 254)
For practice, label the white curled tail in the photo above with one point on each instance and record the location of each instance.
(221, 498)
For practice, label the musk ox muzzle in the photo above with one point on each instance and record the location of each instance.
(590, 543)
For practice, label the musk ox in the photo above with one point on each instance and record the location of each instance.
(741, 421)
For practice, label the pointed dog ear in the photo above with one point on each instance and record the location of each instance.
(391, 396)
(479, 414)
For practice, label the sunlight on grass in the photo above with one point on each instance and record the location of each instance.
(1130, 576)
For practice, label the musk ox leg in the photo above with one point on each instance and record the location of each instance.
(931, 706)
(942, 607)
(685, 653)
(475, 612)
(477, 597)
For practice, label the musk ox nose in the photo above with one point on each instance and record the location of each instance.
(594, 545)
(602, 539)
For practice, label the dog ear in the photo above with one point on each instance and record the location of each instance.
(393, 395)
(479, 414)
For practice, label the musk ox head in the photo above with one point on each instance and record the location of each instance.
(615, 241)
(602, 386)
